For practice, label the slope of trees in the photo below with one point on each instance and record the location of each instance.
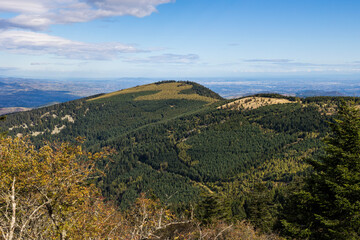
(170, 146)
(48, 193)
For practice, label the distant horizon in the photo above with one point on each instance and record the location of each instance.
(320, 85)
(269, 76)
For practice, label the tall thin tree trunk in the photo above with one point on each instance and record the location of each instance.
(13, 217)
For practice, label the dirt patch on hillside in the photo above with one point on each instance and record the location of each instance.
(69, 118)
(57, 129)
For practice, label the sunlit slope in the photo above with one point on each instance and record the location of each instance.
(165, 90)
(253, 103)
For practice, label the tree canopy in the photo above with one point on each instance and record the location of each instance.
(328, 207)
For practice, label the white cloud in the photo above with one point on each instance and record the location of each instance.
(20, 32)
(40, 14)
(25, 42)
(167, 58)
(23, 6)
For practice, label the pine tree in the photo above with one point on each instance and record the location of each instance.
(2, 134)
(328, 207)
(260, 208)
(212, 207)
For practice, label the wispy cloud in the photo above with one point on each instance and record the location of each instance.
(5, 69)
(289, 65)
(167, 58)
(56, 63)
(40, 14)
(39, 64)
(313, 65)
(25, 42)
(269, 60)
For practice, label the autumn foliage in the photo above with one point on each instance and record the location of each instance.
(47, 193)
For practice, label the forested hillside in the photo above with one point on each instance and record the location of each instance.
(184, 144)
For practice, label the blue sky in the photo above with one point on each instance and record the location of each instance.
(178, 39)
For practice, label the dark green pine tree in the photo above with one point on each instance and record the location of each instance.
(328, 206)
(2, 134)
(259, 208)
(211, 208)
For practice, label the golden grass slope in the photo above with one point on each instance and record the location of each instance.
(253, 103)
(165, 91)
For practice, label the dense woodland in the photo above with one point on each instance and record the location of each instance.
(219, 166)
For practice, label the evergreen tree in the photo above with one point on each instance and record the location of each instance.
(211, 208)
(328, 206)
(260, 208)
(2, 134)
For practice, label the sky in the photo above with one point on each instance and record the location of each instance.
(178, 38)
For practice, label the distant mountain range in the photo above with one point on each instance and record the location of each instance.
(32, 93)
(28, 94)
(314, 93)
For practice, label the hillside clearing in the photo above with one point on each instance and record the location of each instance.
(253, 103)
